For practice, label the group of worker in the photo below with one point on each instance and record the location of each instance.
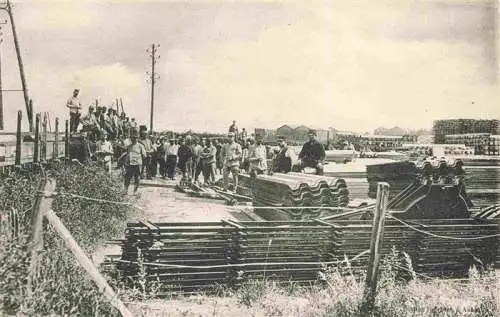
(99, 120)
(145, 156)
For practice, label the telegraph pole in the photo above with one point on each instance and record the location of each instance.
(1, 95)
(153, 53)
(21, 67)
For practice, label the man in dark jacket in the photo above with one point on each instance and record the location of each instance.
(312, 154)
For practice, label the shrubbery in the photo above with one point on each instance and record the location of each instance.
(61, 286)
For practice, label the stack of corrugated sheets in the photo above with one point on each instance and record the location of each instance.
(295, 193)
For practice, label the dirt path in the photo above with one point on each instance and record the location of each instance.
(162, 203)
(165, 204)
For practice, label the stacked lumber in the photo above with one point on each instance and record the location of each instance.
(189, 257)
(289, 192)
(431, 254)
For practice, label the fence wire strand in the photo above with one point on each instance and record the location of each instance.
(441, 236)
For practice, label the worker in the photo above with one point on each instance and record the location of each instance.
(232, 156)
(257, 158)
(135, 156)
(148, 146)
(207, 157)
(104, 151)
(185, 155)
(74, 106)
(171, 150)
(312, 154)
(282, 161)
(234, 129)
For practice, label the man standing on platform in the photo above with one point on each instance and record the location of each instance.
(74, 106)
(312, 154)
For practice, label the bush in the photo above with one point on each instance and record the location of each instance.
(61, 286)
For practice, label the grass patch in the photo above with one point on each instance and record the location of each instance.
(61, 286)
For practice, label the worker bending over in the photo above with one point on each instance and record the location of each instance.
(312, 154)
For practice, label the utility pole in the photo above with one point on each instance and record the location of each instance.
(153, 53)
(21, 67)
(1, 95)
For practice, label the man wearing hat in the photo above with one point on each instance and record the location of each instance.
(135, 155)
(232, 155)
(74, 106)
(312, 154)
(282, 162)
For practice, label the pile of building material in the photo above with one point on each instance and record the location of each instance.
(191, 257)
(482, 179)
(294, 195)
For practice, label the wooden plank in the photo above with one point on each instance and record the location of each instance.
(87, 264)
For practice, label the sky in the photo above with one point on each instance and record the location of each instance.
(347, 64)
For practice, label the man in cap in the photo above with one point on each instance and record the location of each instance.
(282, 162)
(312, 154)
(135, 155)
(74, 106)
(232, 155)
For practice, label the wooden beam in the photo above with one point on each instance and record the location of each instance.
(87, 264)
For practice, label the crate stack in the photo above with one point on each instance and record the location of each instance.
(442, 128)
(479, 141)
(494, 145)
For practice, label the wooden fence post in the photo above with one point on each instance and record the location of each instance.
(40, 207)
(36, 150)
(19, 138)
(87, 264)
(375, 247)
(66, 140)
(56, 139)
(43, 155)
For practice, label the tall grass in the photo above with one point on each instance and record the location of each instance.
(60, 287)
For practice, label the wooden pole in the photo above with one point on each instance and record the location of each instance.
(375, 247)
(36, 150)
(20, 63)
(87, 264)
(56, 139)
(1, 92)
(66, 140)
(40, 207)
(44, 138)
(19, 138)
(121, 104)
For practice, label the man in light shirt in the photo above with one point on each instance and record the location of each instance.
(257, 158)
(135, 155)
(105, 151)
(232, 155)
(171, 150)
(74, 106)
